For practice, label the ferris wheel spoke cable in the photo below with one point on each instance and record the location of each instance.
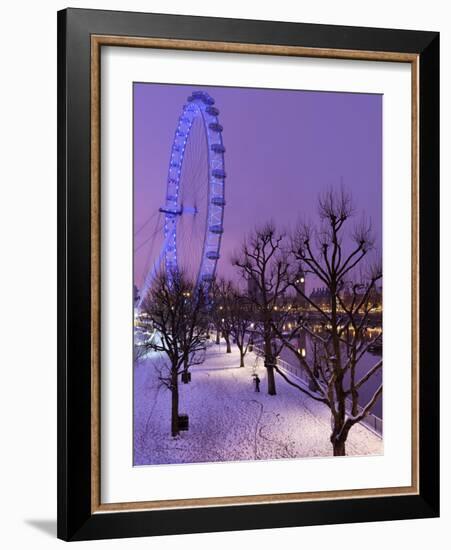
(149, 219)
(197, 163)
(151, 236)
(194, 182)
(147, 263)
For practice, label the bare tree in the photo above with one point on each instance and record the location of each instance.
(240, 320)
(214, 311)
(222, 297)
(265, 267)
(345, 316)
(177, 310)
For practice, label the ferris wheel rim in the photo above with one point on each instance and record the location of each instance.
(199, 105)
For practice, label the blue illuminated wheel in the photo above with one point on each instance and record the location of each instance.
(195, 198)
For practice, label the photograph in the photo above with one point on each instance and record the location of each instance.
(248, 273)
(257, 271)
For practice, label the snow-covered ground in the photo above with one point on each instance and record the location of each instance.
(228, 420)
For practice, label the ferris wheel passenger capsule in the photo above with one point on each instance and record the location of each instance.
(213, 111)
(215, 126)
(218, 173)
(213, 255)
(217, 229)
(218, 148)
(218, 201)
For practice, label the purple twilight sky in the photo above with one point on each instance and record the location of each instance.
(282, 148)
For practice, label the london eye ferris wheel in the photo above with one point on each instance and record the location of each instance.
(193, 207)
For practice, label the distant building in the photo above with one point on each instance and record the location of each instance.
(300, 280)
(300, 284)
(320, 296)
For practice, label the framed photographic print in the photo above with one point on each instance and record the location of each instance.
(248, 274)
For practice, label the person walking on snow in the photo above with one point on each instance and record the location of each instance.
(257, 383)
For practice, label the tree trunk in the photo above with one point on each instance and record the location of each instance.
(175, 406)
(185, 370)
(269, 362)
(339, 447)
(241, 357)
(355, 402)
(339, 436)
(271, 380)
(354, 392)
(218, 337)
(229, 348)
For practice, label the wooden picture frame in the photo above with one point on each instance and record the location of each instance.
(81, 35)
